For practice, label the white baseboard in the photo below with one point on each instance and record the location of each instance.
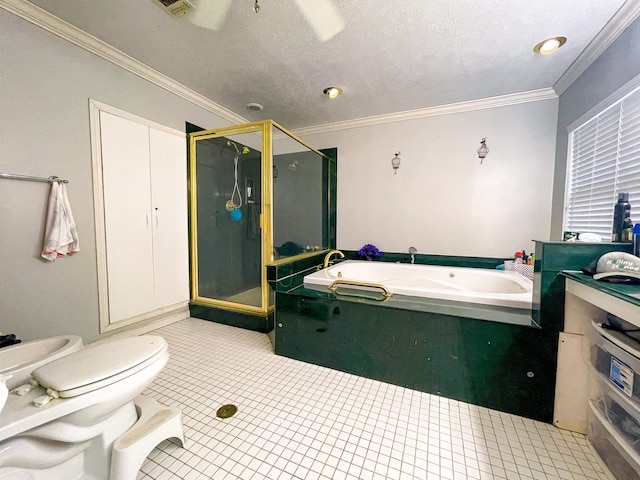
(146, 326)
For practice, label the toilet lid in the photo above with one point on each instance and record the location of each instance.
(95, 367)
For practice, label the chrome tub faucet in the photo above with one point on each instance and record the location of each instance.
(413, 251)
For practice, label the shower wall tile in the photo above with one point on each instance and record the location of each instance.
(256, 323)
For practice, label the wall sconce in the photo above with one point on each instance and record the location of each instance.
(483, 150)
(395, 163)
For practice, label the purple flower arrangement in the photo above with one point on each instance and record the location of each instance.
(369, 251)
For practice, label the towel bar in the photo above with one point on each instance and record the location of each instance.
(30, 178)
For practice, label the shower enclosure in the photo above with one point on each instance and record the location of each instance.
(258, 195)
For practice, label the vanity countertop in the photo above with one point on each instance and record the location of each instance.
(623, 291)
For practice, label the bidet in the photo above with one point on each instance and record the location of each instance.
(21, 359)
(4, 391)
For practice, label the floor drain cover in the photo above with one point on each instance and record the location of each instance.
(226, 411)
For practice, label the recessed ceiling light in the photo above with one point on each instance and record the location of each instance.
(254, 107)
(549, 45)
(332, 92)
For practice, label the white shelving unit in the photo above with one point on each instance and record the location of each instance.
(598, 378)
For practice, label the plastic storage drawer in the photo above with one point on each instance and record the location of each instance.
(616, 358)
(615, 452)
(619, 411)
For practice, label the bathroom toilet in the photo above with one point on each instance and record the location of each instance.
(87, 402)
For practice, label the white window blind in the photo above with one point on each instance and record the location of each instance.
(604, 160)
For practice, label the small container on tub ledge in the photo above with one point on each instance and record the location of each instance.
(636, 239)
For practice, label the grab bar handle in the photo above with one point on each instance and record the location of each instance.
(334, 286)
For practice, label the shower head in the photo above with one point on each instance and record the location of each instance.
(245, 150)
(293, 166)
(230, 143)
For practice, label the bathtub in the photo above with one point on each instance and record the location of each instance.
(468, 285)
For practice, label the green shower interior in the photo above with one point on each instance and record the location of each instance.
(232, 178)
(229, 250)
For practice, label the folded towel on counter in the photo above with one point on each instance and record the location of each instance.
(61, 237)
(7, 340)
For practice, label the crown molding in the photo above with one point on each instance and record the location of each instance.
(66, 31)
(624, 17)
(460, 107)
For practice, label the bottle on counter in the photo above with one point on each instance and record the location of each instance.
(636, 239)
(621, 211)
(518, 258)
(627, 231)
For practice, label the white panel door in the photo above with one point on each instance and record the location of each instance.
(169, 207)
(128, 222)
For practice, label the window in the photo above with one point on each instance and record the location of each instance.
(604, 160)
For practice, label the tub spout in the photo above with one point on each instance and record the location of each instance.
(327, 257)
(413, 251)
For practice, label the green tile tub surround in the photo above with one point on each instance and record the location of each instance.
(548, 285)
(510, 368)
(427, 259)
(284, 277)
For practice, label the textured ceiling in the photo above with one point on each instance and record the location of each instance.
(391, 56)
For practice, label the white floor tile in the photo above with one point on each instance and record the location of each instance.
(304, 422)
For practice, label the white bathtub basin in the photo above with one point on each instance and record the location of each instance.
(468, 285)
(21, 359)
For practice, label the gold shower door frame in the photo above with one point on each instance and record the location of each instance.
(265, 128)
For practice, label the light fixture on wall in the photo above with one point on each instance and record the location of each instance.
(483, 150)
(332, 92)
(395, 163)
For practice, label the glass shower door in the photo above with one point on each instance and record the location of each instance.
(228, 235)
(258, 196)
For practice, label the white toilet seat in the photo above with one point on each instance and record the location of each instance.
(75, 436)
(96, 367)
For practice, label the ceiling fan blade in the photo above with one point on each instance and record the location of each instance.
(322, 16)
(209, 13)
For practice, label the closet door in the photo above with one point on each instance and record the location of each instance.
(128, 221)
(169, 208)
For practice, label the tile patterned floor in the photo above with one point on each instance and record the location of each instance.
(301, 421)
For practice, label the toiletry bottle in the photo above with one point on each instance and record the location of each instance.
(621, 210)
(518, 258)
(627, 231)
(636, 239)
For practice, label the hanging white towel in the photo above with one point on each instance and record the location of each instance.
(61, 237)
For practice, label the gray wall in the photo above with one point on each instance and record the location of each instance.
(45, 87)
(619, 64)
